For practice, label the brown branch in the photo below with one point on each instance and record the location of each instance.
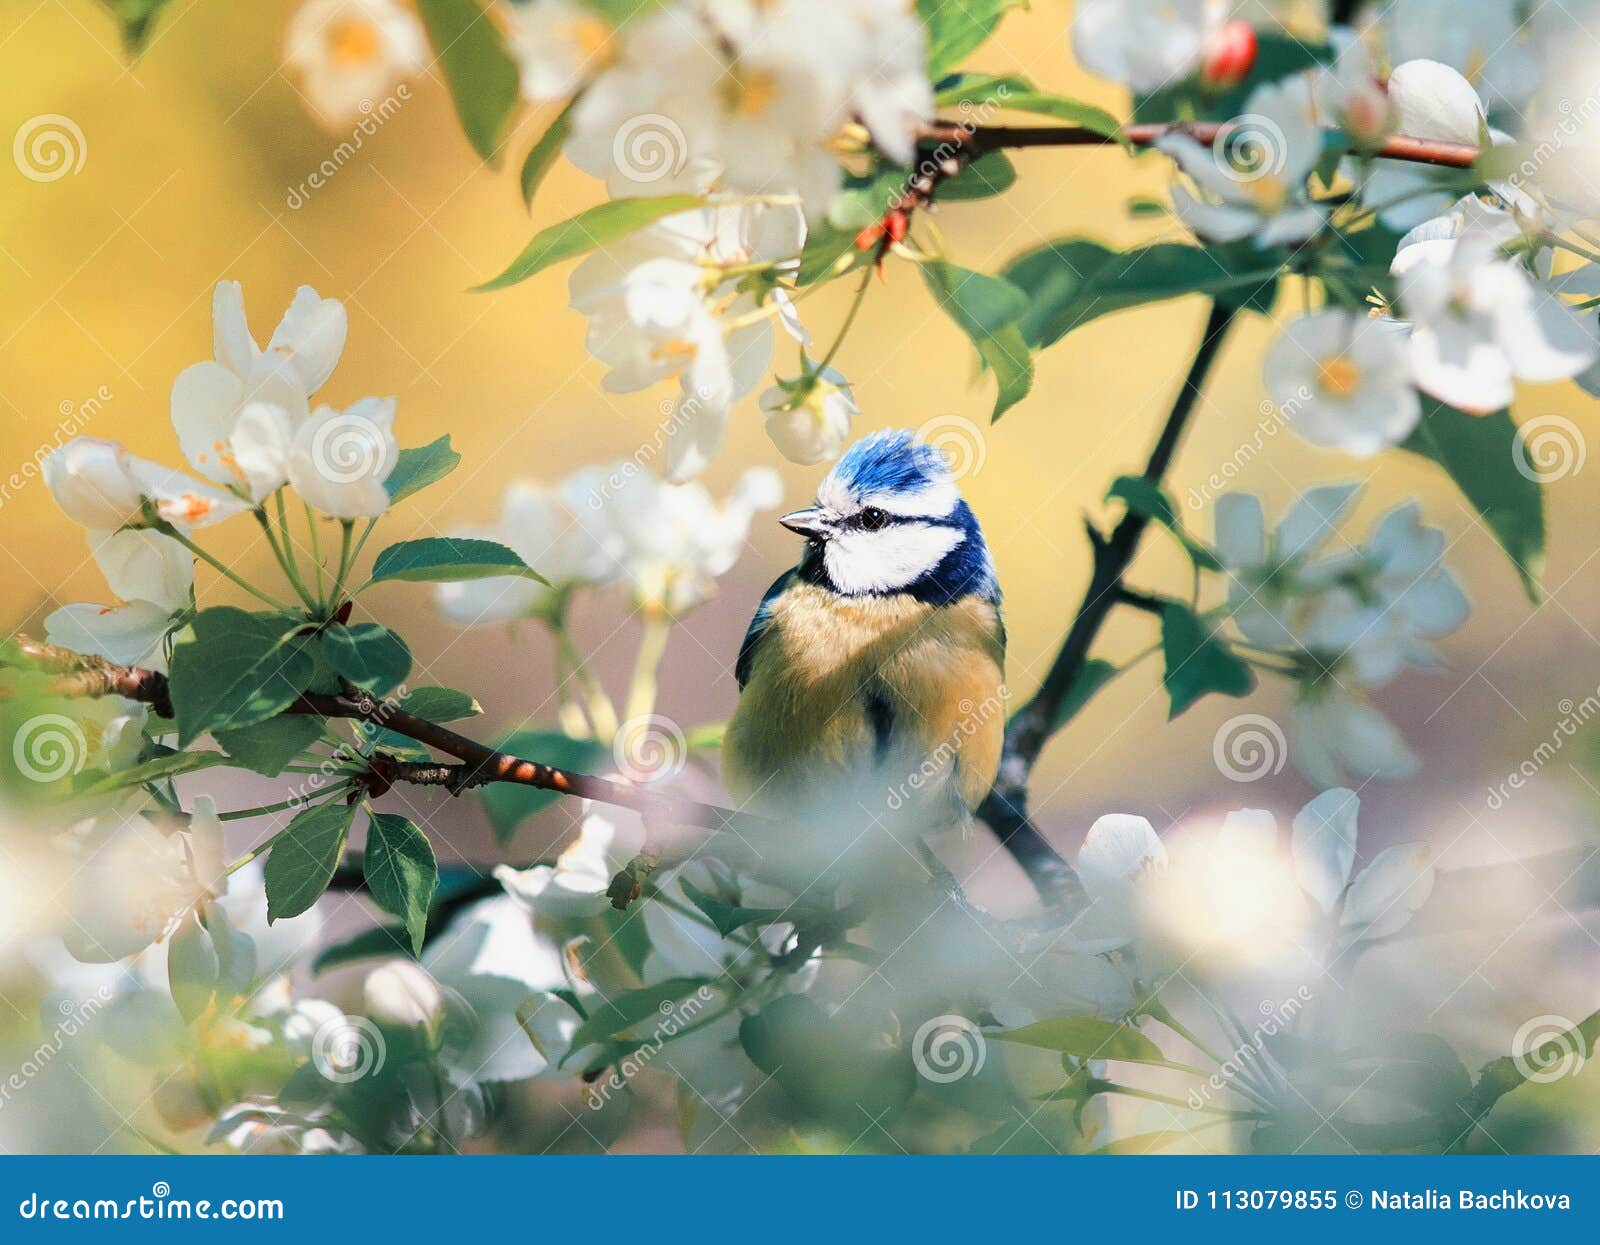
(978, 140)
(92, 676)
(1005, 808)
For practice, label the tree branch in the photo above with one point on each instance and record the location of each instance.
(1005, 808)
(92, 676)
(978, 140)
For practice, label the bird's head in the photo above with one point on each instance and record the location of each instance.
(888, 518)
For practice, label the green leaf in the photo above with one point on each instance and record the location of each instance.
(239, 669)
(958, 27)
(417, 468)
(379, 942)
(984, 178)
(1087, 1037)
(446, 559)
(137, 18)
(863, 199)
(401, 872)
(1093, 675)
(509, 804)
(369, 655)
(729, 917)
(98, 782)
(192, 969)
(303, 858)
(613, 219)
(480, 72)
(1197, 661)
(1482, 454)
(621, 1012)
(974, 92)
(620, 12)
(986, 309)
(440, 704)
(1071, 281)
(1143, 496)
(542, 156)
(268, 746)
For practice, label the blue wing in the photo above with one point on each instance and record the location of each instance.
(759, 625)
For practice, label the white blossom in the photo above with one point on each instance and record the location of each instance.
(339, 460)
(352, 53)
(402, 994)
(674, 540)
(1338, 735)
(557, 44)
(236, 414)
(559, 531)
(1253, 182)
(660, 307)
(134, 880)
(1143, 44)
(102, 486)
(153, 578)
(576, 885)
(1352, 619)
(1480, 322)
(1344, 381)
(503, 971)
(1485, 41)
(809, 418)
(749, 97)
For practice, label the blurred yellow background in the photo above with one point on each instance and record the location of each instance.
(194, 154)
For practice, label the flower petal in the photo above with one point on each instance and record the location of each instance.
(1324, 844)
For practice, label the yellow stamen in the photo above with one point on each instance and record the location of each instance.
(1338, 376)
(352, 43)
(749, 94)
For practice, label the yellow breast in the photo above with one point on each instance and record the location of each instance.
(831, 671)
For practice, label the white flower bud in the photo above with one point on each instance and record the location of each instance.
(1434, 101)
(94, 482)
(402, 994)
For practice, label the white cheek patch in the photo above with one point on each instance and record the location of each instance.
(934, 501)
(889, 559)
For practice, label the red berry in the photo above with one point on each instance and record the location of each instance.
(1228, 54)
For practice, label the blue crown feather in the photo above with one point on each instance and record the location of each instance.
(891, 460)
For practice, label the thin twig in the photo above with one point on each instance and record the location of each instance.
(1005, 808)
(977, 140)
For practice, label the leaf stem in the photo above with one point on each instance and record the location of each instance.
(849, 318)
(166, 529)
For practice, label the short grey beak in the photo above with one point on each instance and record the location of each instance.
(807, 523)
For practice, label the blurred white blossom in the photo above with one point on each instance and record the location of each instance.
(135, 879)
(750, 97)
(1253, 182)
(351, 53)
(558, 45)
(1350, 619)
(1143, 44)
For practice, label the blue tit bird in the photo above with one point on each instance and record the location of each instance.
(880, 655)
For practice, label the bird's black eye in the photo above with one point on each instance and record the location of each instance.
(872, 518)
